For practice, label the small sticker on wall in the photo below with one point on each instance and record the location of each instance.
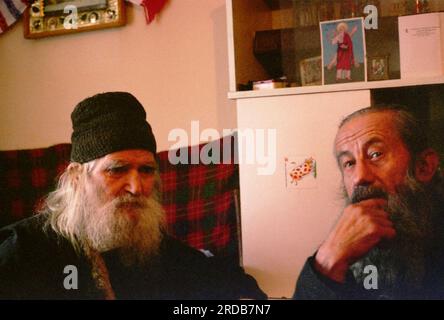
(300, 172)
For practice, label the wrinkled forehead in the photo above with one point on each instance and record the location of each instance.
(370, 126)
(136, 157)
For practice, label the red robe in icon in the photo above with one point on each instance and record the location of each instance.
(345, 58)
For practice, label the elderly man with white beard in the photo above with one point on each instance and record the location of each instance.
(106, 222)
(392, 227)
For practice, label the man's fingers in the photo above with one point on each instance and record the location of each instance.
(376, 203)
(372, 207)
(383, 222)
(387, 232)
(369, 211)
(378, 213)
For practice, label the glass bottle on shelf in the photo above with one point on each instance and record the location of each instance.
(306, 14)
(300, 13)
(355, 7)
(352, 9)
(323, 11)
(417, 6)
(425, 6)
(315, 12)
(330, 10)
(397, 8)
(337, 9)
(410, 6)
(345, 9)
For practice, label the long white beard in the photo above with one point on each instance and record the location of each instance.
(133, 225)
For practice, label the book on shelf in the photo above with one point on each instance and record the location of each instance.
(421, 45)
(269, 84)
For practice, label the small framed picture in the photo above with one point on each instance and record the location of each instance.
(56, 17)
(378, 68)
(343, 51)
(311, 71)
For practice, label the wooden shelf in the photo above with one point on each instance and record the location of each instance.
(336, 87)
(280, 50)
(279, 4)
(264, 44)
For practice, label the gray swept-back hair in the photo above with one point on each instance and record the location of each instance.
(412, 131)
(63, 204)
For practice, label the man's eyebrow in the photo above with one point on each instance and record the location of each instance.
(373, 141)
(149, 164)
(124, 163)
(116, 163)
(343, 154)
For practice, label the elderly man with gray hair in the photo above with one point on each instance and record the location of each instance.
(105, 220)
(389, 241)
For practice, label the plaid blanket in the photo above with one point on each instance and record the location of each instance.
(200, 200)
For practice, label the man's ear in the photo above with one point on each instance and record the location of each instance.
(426, 165)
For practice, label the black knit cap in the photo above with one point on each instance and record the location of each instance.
(109, 122)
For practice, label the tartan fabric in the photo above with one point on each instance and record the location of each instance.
(199, 199)
(26, 176)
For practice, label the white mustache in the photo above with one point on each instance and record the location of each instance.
(128, 201)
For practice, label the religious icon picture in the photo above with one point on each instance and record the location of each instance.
(378, 68)
(311, 74)
(343, 51)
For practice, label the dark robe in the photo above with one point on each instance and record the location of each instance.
(33, 260)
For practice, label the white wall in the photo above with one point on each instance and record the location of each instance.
(282, 227)
(176, 66)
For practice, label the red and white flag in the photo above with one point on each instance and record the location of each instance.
(152, 7)
(10, 12)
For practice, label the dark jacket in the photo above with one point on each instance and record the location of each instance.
(313, 285)
(32, 263)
